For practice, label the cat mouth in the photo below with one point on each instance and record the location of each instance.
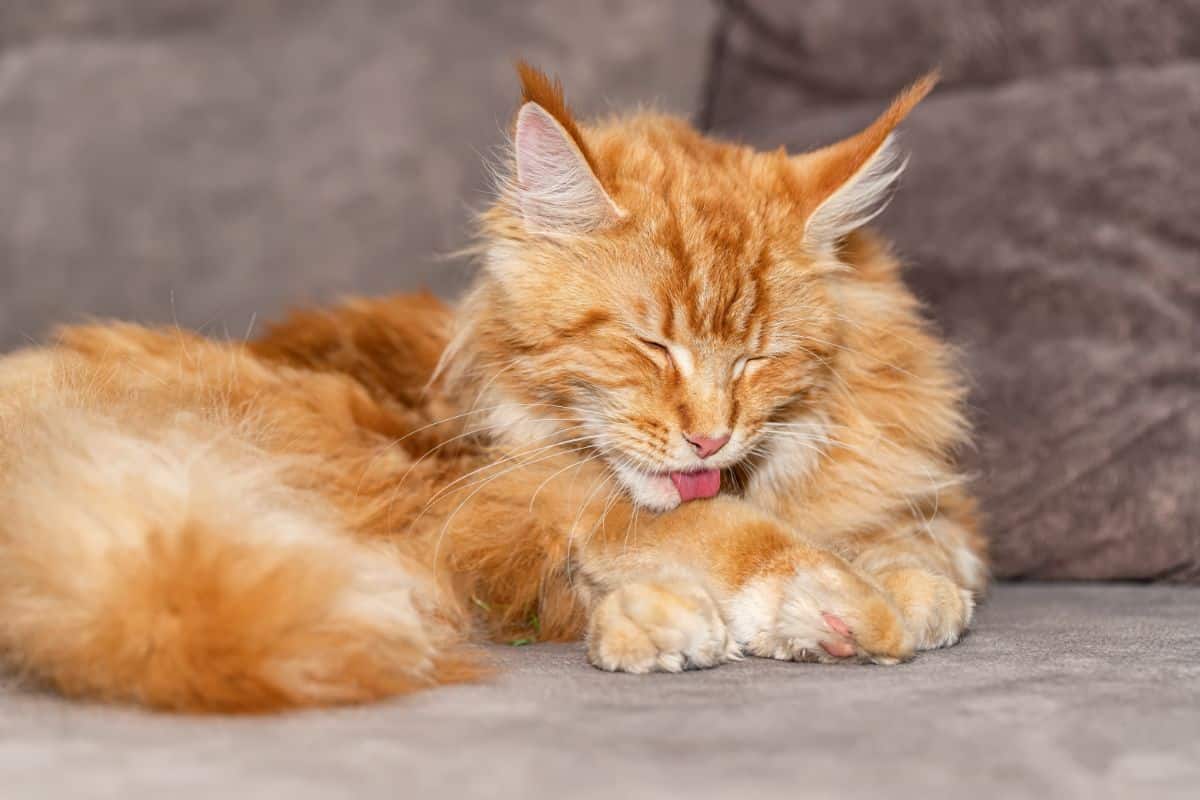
(665, 490)
(690, 485)
(700, 484)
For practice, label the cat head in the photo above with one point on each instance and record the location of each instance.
(659, 299)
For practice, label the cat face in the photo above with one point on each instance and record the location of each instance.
(662, 301)
(684, 364)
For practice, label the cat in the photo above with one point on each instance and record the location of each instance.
(687, 411)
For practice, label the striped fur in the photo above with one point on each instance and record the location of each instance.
(336, 511)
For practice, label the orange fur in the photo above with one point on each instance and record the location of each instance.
(334, 512)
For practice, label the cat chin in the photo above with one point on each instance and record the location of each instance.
(655, 492)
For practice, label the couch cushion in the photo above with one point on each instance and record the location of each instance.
(1064, 692)
(785, 56)
(1050, 223)
(204, 160)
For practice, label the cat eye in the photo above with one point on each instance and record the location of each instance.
(747, 363)
(658, 350)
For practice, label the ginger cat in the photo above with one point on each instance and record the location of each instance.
(688, 411)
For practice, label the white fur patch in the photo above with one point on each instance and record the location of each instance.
(653, 491)
(857, 201)
(778, 617)
(794, 452)
(513, 423)
(683, 359)
(972, 572)
(753, 609)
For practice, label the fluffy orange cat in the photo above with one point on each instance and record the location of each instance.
(688, 411)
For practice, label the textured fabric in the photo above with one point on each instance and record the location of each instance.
(1050, 223)
(784, 56)
(208, 160)
(1066, 692)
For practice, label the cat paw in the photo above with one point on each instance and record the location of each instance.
(824, 612)
(936, 609)
(664, 626)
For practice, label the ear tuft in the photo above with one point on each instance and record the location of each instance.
(538, 87)
(557, 191)
(849, 182)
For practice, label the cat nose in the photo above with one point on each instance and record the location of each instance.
(705, 446)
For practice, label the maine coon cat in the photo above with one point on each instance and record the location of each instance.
(688, 411)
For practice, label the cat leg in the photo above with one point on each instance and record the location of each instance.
(933, 572)
(714, 577)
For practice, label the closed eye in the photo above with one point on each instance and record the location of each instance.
(748, 363)
(658, 351)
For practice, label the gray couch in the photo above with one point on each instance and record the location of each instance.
(212, 161)
(1065, 691)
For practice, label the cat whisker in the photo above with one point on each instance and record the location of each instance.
(482, 429)
(847, 349)
(483, 390)
(631, 527)
(542, 485)
(479, 487)
(472, 411)
(501, 462)
(391, 446)
(601, 482)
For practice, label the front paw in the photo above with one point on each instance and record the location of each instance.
(936, 609)
(664, 626)
(819, 612)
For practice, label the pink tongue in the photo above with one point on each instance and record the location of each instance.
(692, 485)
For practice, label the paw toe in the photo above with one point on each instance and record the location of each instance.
(820, 615)
(658, 627)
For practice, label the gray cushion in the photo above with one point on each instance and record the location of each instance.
(784, 56)
(1065, 692)
(1050, 223)
(206, 160)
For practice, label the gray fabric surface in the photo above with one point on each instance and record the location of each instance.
(206, 160)
(782, 57)
(1050, 223)
(1069, 691)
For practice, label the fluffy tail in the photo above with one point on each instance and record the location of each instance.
(174, 573)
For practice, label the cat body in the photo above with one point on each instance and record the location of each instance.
(688, 411)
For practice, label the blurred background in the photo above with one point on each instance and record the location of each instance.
(208, 160)
(212, 162)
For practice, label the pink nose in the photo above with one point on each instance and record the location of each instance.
(706, 445)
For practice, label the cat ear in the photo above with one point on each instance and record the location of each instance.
(848, 183)
(557, 189)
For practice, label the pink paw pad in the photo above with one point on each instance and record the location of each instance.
(838, 649)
